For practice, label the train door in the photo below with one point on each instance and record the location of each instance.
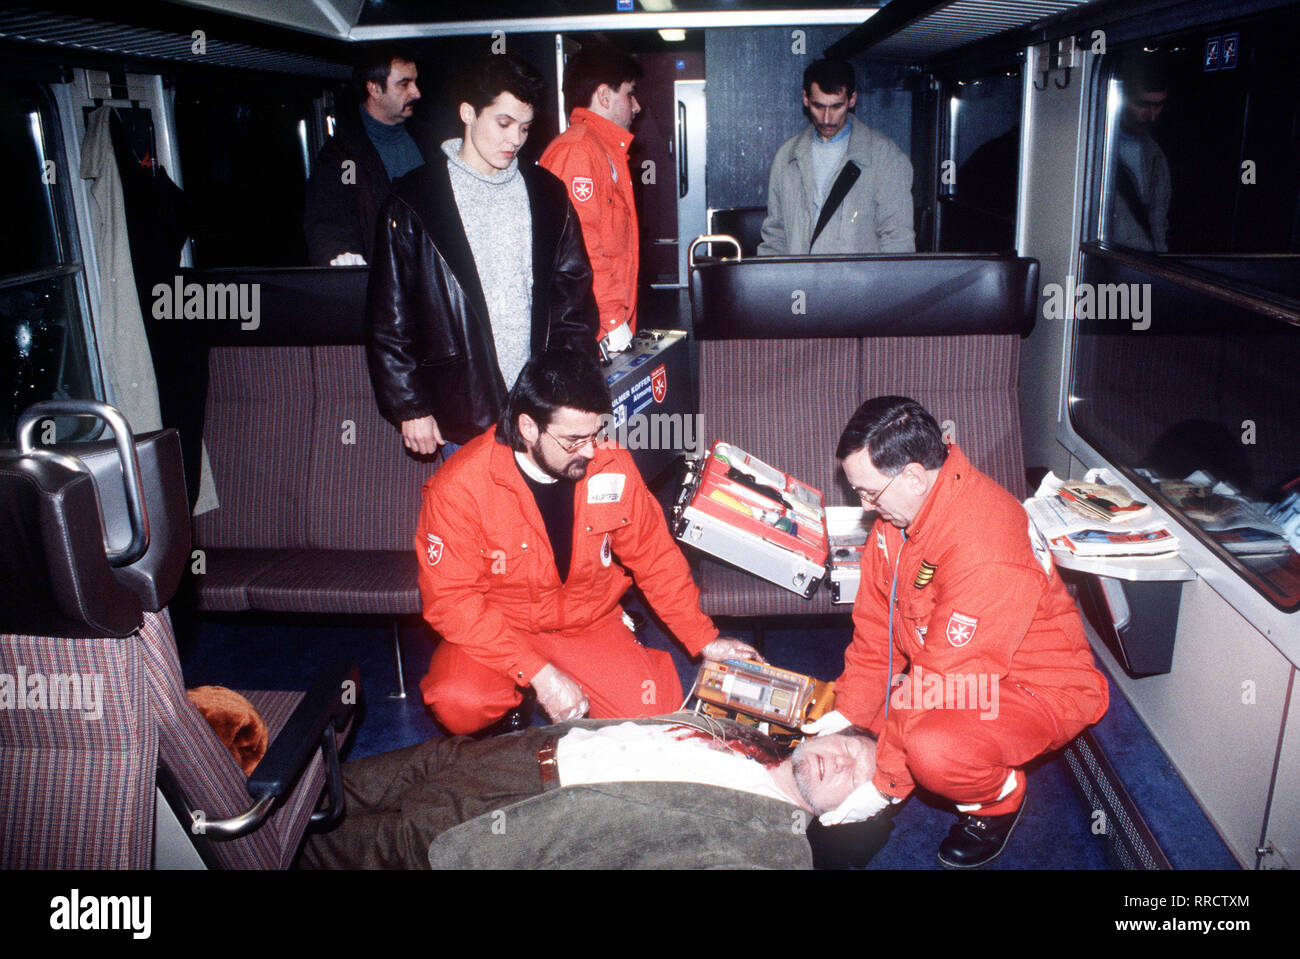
(690, 143)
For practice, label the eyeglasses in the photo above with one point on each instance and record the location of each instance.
(573, 447)
(874, 498)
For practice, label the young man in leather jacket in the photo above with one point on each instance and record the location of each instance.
(478, 264)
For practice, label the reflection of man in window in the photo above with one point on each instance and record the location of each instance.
(1142, 188)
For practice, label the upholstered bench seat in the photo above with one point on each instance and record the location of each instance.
(357, 582)
(319, 499)
(781, 385)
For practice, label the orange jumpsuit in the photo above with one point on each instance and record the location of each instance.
(998, 667)
(490, 589)
(591, 158)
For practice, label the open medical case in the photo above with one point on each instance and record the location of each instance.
(739, 509)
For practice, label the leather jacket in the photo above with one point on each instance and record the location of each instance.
(428, 339)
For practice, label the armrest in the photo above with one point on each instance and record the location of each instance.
(330, 701)
(326, 707)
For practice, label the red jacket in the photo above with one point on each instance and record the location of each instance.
(973, 600)
(487, 573)
(590, 157)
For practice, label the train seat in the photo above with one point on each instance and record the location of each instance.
(791, 346)
(318, 498)
(104, 762)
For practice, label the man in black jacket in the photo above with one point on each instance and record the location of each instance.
(478, 264)
(370, 148)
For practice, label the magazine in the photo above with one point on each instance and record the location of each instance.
(1068, 531)
(1251, 541)
(1198, 503)
(1100, 501)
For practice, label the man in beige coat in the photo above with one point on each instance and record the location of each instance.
(839, 186)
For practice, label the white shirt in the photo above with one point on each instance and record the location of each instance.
(632, 752)
(1130, 154)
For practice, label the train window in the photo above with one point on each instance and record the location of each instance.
(45, 352)
(245, 154)
(979, 172)
(1187, 321)
(1201, 154)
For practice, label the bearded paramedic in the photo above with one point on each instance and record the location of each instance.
(526, 538)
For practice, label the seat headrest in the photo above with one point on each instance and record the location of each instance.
(155, 575)
(818, 297)
(63, 522)
(54, 574)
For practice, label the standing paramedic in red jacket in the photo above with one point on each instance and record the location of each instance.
(982, 664)
(525, 541)
(590, 157)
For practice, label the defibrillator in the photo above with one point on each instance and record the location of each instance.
(777, 701)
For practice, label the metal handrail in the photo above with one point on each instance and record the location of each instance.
(712, 238)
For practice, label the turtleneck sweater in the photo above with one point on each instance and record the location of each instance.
(498, 224)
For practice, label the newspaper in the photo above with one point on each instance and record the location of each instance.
(1069, 531)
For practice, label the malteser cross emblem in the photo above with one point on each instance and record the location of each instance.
(583, 188)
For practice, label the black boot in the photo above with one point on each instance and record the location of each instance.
(521, 716)
(977, 840)
(516, 719)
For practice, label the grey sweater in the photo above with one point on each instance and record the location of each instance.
(495, 213)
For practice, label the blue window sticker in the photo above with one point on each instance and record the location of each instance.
(1231, 44)
(1213, 54)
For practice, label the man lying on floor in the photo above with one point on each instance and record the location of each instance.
(675, 792)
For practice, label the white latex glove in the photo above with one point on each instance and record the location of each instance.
(724, 647)
(833, 722)
(348, 259)
(858, 806)
(619, 338)
(558, 694)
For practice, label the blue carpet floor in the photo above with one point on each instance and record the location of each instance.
(1055, 832)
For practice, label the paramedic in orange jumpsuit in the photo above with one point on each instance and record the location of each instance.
(590, 157)
(997, 667)
(489, 579)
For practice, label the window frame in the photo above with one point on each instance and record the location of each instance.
(68, 224)
(1221, 571)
